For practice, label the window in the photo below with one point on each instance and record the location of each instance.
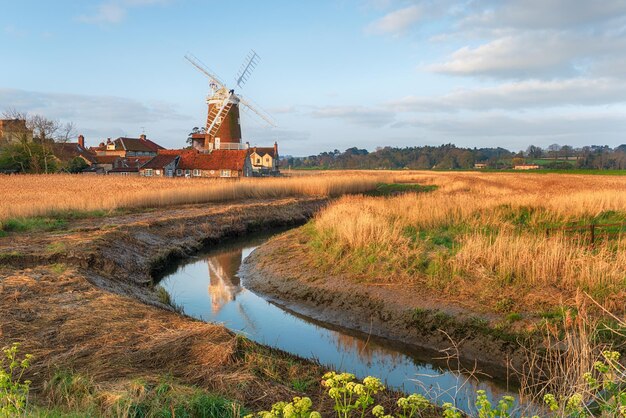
(225, 173)
(187, 173)
(158, 172)
(258, 161)
(148, 172)
(179, 172)
(196, 172)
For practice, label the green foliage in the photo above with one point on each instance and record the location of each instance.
(297, 408)
(166, 299)
(27, 157)
(32, 224)
(351, 396)
(390, 189)
(76, 165)
(13, 390)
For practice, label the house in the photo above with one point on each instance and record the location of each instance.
(127, 166)
(219, 163)
(163, 165)
(14, 130)
(526, 167)
(105, 162)
(65, 152)
(480, 165)
(264, 160)
(128, 147)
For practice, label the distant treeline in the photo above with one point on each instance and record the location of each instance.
(449, 157)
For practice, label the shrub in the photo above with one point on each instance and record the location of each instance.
(13, 390)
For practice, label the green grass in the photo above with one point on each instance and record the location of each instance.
(390, 189)
(71, 394)
(53, 221)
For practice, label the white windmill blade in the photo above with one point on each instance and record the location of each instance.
(257, 109)
(250, 63)
(203, 68)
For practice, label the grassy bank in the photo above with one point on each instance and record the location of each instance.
(482, 240)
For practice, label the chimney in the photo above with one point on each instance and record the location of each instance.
(81, 141)
(108, 140)
(247, 145)
(142, 137)
(275, 148)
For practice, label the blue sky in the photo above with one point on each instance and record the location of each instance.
(334, 74)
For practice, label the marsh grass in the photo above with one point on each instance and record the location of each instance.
(28, 200)
(478, 234)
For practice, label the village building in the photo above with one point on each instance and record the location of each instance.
(217, 164)
(128, 147)
(128, 166)
(65, 152)
(14, 130)
(264, 160)
(526, 167)
(163, 165)
(480, 166)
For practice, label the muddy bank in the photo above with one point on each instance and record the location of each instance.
(82, 299)
(282, 270)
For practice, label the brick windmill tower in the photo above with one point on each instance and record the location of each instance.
(223, 126)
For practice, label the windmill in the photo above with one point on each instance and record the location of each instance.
(223, 128)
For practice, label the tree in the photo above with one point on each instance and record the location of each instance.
(76, 165)
(553, 151)
(33, 151)
(534, 152)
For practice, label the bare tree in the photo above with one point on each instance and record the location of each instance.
(41, 133)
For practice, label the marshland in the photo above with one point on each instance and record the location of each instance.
(483, 278)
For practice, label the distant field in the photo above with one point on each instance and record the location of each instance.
(44, 195)
(481, 238)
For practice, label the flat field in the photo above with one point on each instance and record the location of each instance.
(44, 195)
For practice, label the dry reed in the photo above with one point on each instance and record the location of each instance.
(38, 195)
(479, 233)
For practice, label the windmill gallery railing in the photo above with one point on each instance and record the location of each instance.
(594, 232)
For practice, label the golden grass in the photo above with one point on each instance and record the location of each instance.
(480, 233)
(35, 195)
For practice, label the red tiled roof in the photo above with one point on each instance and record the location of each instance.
(65, 151)
(160, 161)
(177, 151)
(106, 159)
(136, 144)
(216, 160)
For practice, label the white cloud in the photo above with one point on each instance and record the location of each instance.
(396, 22)
(520, 95)
(115, 11)
(359, 115)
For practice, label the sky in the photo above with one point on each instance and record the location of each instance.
(333, 74)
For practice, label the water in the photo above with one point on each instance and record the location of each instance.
(208, 287)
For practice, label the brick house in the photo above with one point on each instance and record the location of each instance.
(217, 164)
(67, 151)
